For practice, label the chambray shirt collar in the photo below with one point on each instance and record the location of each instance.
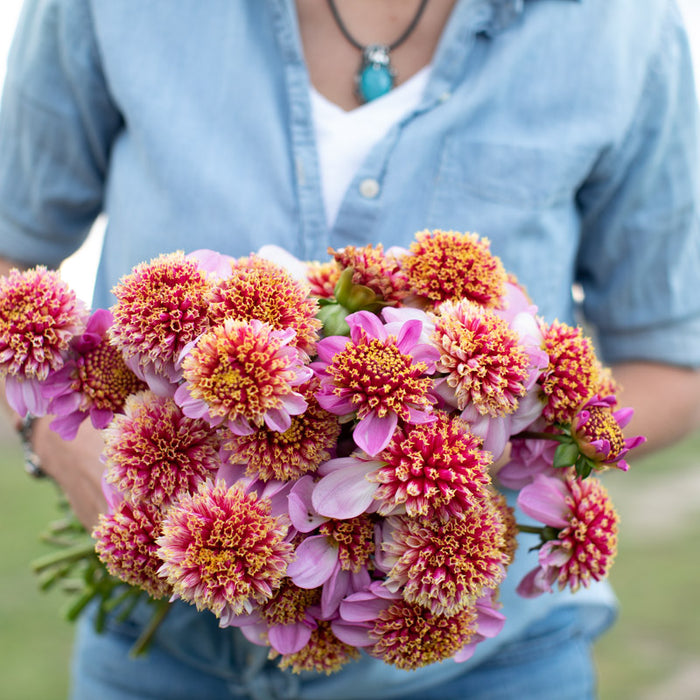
(503, 13)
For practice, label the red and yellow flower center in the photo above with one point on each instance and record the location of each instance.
(591, 536)
(354, 539)
(126, 544)
(374, 269)
(155, 453)
(260, 289)
(161, 306)
(482, 356)
(435, 469)
(378, 378)
(324, 653)
(288, 455)
(573, 374)
(240, 370)
(103, 377)
(322, 278)
(449, 266)
(409, 637)
(222, 549)
(39, 315)
(289, 604)
(601, 425)
(445, 567)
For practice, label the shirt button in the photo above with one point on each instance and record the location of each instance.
(369, 188)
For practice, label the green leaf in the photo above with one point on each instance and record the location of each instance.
(565, 455)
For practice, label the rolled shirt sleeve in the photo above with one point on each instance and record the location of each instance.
(57, 127)
(639, 261)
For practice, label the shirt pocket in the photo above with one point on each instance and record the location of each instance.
(478, 174)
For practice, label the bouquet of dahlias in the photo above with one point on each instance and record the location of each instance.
(305, 450)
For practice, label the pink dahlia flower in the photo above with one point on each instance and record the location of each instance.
(377, 377)
(402, 634)
(126, 544)
(597, 429)
(223, 551)
(39, 316)
(156, 454)
(338, 558)
(445, 567)
(286, 621)
(581, 533)
(243, 374)
(162, 305)
(94, 381)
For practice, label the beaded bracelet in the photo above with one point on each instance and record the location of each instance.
(32, 463)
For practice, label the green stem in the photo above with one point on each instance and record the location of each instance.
(535, 530)
(535, 435)
(141, 644)
(76, 553)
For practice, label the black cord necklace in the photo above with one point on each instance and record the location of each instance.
(375, 76)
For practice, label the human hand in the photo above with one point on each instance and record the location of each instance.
(75, 465)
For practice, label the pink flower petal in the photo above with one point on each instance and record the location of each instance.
(301, 511)
(101, 417)
(334, 590)
(67, 426)
(314, 562)
(288, 639)
(345, 493)
(372, 434)
(544, 500)
(354, 635)
(210, 261)
(329, 347)
(278, 420)
(364, 322)
(362, 607)
(409, 335)
(339, 406)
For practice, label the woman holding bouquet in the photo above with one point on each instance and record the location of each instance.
(566, 132)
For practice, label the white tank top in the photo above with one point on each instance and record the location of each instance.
(344, 139)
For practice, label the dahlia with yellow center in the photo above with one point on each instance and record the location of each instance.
(260, 289)
(322, 278)
(354, 540)
(223, 550)
(161, 306)
(243, 373)
(378, 377)
(375, 269)
(407, 636)
(445, 567)
(324, 653)
(597, 431)
(482, 356)
(289, 604)
(156, 454)
(436, 470)
(449, 266)
(581, 537)
(126, 544)
(39, 315)
(286, 456)
(573, 374)
(94, 380)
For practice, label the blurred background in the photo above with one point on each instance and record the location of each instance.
(652, 653)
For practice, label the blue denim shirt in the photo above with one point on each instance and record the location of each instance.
(564, 131)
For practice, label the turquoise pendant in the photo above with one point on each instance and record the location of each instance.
(375, 77)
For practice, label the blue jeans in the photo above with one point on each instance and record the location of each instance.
(550, 661)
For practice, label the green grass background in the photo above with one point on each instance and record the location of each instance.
(653, 652)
